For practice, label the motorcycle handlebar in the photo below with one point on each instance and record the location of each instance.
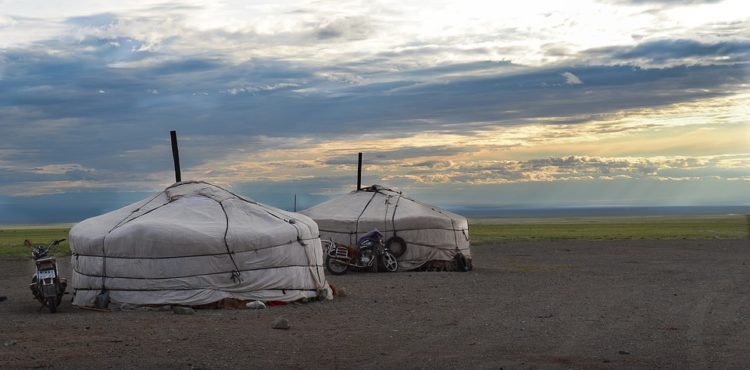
(55, 243)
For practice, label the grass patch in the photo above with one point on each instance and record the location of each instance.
(11, 239)
(484, 231)
(614, 228)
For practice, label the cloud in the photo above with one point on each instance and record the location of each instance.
(218, 106)
(184, 66)
(572, 168)
(571, 79)
(435, 164)
(260, 95)
(60, 169)
(666, 2)
(671, 52)
(7, 21)
(347, 28)
(376, 156)
(666, 50)
(94, 20)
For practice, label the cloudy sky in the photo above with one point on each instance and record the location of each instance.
(457, 103)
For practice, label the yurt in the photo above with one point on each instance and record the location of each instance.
(433, 238)
(193, 244)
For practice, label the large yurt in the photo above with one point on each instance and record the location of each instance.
(433, 237)
(194, 244)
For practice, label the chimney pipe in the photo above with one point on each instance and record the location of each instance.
(175, 156)
(359, 173)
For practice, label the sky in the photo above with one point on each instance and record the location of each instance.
(533, 104)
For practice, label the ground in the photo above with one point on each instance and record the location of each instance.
(675, 304)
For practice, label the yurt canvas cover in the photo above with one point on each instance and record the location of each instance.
(195, 243)
(431, 233)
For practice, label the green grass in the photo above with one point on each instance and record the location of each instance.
(484, 231)
(615, 228)
(12, 237)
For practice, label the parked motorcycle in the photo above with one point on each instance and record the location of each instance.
(46, 284)
(369, 253)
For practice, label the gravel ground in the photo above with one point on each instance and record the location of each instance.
(556, 304)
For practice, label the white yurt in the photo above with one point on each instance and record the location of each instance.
(433, 236)
(193, 244)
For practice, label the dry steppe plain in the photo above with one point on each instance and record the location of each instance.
(566, 304)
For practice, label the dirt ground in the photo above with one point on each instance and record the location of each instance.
(555, 304)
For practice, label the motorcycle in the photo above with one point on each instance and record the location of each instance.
(370, 253)
(46, 284)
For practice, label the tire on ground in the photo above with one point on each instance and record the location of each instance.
(397, 246)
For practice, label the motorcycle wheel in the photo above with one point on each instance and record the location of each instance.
(52, 304)
(387, 262)
(396, 245)
(335, 266)
(35, 290)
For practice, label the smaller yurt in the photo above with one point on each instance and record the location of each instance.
(194, 244)
(433, 237)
